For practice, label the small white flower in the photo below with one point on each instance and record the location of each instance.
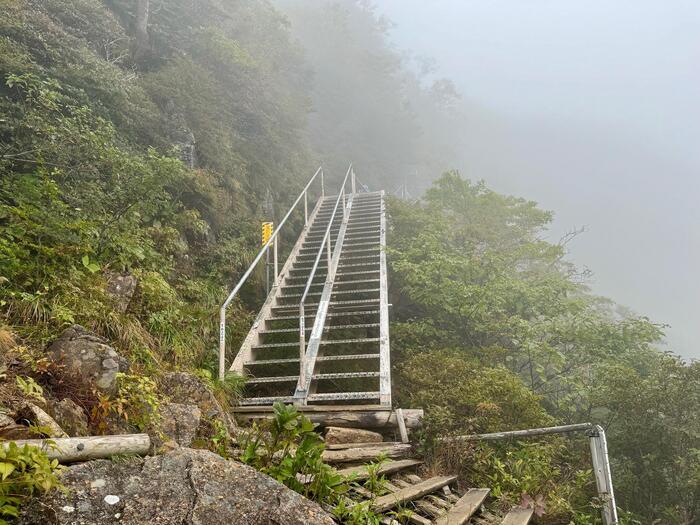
(68, 509)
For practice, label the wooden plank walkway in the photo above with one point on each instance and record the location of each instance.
(465, 508)
(411, 493)
(361, 472)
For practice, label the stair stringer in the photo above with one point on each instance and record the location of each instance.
(302, 390)
(253, 337)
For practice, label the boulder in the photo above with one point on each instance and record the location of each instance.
(342, 436)
(89, 358)
(180, 422)
(70, 416)
(188, 389)
(183, 487)
(10, 430)
(41, 419)
(121, 287)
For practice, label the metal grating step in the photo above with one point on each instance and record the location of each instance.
(323, 343)
(330, 314)
(336, 396)
(321, 283)
(339, 292)
(272, 379)
(332, 327)
(266, 400)
(344, 375)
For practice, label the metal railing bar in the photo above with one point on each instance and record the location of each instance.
(325, 245)
(249, 271)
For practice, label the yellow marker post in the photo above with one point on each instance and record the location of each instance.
(267, 229)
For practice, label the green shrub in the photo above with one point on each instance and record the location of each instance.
(24, 471)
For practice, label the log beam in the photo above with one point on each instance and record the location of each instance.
(70, 450)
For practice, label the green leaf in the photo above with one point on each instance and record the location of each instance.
(6, 469)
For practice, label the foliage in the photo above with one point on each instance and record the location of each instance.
(495, 330)
(136, 401)
(24, 471)
(288, 449)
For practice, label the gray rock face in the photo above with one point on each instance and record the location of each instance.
(187, 389)
(180, 422)
(70, 417)
(88, 357)
(121, 287)
(184, 487)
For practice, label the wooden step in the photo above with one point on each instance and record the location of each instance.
(393, 451)
(518, 516)
(411, 493)
(361, 472)
(465, 508)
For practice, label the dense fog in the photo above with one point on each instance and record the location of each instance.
(587, 108)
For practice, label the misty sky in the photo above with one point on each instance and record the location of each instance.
(589, 107)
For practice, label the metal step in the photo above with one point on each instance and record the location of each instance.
(272, 379)
(337, 396)
(332, 327)
(339, 292)
(323, 343)
(266, 400)
(329, 314)
(325, 359)
(332, 303)
(321, 283)
(344, 375)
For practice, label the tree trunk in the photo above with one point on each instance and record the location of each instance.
(141, 29)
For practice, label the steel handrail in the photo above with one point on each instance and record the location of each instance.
(325, 244)
(272, 241)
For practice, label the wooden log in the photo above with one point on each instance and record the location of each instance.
(366, 454)
(343, 417)
(465, 508)
(70, 450)
(400, 419)
(518, 516)
(345, 446)
(411, 493)
(361, 473)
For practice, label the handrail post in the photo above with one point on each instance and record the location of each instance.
(329, 256)
(306, 209)
(302, 344)
(345, 210)
(352, 181)
(222, 343)
(274, 256)
(323, 190)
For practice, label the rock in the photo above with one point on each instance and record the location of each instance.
(70, 416)
(188, 389)
(9, 429)
(180, 422)
(121, 287)
(88, 357)
(338, 436)
(41, 419)
(183, 487)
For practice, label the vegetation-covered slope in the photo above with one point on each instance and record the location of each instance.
(150, 155)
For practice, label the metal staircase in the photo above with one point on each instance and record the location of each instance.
(322, 336)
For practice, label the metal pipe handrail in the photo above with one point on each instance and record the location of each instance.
(325, 243)
(599, 457)
(272, 241)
